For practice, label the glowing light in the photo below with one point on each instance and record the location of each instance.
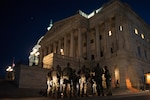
(50, 25)
(110, 33)
(61, 50)
(91, 14)
(129, 85)
(48, 60)
(9, 69)
(135, 31)
(142, 36)
(147, 78)
(117, 77)
(120, 28)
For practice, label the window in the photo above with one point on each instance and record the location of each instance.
(92, 41)
(101, 53)
(145, 54)
(92, 57)
(136, 31)
(84, 44)
(110, 33)
(142, 36)
(100, 37)
(121, 28)
(111, 50)
(85, 58)
(139, 51)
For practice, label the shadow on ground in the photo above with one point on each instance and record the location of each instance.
(9, 90)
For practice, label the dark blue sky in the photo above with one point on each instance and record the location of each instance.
(23, 22)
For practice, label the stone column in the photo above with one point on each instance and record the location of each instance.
(49, 48)
(44, 51)
(88, 45)
(40, 58)
(120, 37)
(79, 43)
(65, 45)
(105, 40)
(59, 46)
(54, 47)
(97, 42)
(107, 43)
(72, 45)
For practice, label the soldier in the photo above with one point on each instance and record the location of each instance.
(98, 78)
(84, 75)
(49, 84)
(67, 75)
(74, 83)
(59, 74)
(108, 80)
(55, 86)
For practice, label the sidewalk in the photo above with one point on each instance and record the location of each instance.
(118, 91)
(10, 90)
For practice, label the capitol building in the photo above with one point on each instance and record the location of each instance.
(113, 35)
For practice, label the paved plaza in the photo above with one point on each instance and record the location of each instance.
(9, 90)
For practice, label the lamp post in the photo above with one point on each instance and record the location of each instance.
(10, 73)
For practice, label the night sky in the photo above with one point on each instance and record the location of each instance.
(23, 22)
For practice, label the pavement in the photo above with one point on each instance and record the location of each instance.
(9, 90)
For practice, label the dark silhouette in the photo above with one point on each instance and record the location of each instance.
(98, 78)
(108, 80)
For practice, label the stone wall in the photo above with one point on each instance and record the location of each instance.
(30, 77)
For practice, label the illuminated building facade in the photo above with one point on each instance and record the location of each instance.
(112, 35)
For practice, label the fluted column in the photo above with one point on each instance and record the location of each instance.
(49, 48)
(59, 46)
(97, 43)
(72, 45)
(106, 43)
(88, 46)
(54, 47)
(65, 45)
(41, 59)
(79, 43)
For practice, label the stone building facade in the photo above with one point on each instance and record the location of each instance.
(112, 35)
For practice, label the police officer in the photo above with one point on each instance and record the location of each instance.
(67, 75)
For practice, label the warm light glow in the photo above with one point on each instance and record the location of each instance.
(135, 31)
(110, 33)
(48, 60)
(61, 50)
(129, 85)
(120, 28)
(148, 78)
(117, 77)
(142, 36)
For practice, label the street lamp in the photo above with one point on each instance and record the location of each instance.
(10, 73)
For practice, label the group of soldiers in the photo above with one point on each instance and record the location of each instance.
(69, 83)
